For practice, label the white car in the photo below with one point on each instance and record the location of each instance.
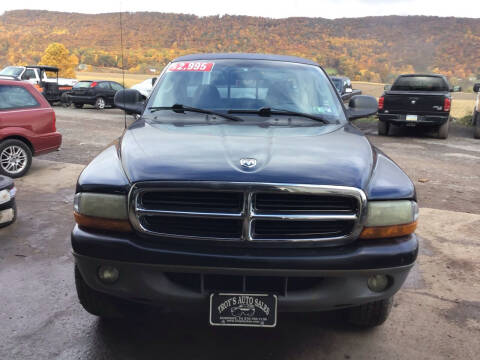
(145, 87)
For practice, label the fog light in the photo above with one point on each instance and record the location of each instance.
(378, 283)
(108, 274)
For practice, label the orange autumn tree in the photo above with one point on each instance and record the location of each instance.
(57, 54)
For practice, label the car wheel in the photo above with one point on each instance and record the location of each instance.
(100, 103)
(15, 158)
(442, 132)
(476, 123)
(371, 314)
(78, 106)
(383, 128)
(94, 302)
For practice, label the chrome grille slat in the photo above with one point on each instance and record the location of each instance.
(336, 221)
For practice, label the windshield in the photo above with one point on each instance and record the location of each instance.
(420, 83)
(82, 84)
(338, 84)
(223, 85)
(12, 71)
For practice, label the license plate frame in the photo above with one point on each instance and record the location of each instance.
(243, 310)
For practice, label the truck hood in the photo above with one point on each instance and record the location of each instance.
(323, 154)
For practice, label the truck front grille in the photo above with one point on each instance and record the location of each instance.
(247, 212)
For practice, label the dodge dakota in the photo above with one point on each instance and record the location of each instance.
(243, 191)
(417, 100)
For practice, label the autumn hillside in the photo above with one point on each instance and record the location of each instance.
(371, 49)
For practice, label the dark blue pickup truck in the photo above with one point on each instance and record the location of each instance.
(243, 191)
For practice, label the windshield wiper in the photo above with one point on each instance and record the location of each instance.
(179, 108)
(266, 111)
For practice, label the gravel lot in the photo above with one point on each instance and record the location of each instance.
(436, 315)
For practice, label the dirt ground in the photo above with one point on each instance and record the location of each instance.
(436, 315)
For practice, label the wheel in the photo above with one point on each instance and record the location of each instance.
(476, 123)
(371, 314)
(100, 103)
(383, 128)
(15, 158)
(442, 132)
(94, 302)
(78, 106)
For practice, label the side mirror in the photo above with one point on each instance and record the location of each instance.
(456, 89)
(129, 100)
(387, 87)
(476, 87)
(154, 80)
(361, 106)
(348, 90)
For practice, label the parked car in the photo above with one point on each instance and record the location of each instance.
(417, 100)
(98, 93)
(145, 87)
(27, 127)
(243, 183)
(8, 207)
(344, 87)
(51, 88)
(476, 112)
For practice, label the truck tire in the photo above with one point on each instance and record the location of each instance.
(78, 106)
(442, 132)
(476, 124)
(371, 314)
(94, 302)
(383, 128)
(15, 158)
(100, 103)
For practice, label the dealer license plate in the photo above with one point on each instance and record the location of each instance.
(412, 117)
(254, 310)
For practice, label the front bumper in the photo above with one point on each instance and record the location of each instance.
(423, 120)
(149, 274)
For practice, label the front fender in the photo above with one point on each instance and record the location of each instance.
(104, 173)
(388, 181)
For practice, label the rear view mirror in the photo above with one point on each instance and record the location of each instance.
(129, 100)
(154, 80)
(387, 87)
(361, 106)
(476, 87)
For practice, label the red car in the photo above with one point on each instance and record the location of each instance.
(27, 127)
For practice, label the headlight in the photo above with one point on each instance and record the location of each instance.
(386, 219)
(102, 211)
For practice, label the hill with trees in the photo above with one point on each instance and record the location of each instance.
(370, 48)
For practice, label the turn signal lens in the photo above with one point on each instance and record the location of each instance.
(91, 222)
(385, 232)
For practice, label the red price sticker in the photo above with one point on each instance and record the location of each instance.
(191, 66)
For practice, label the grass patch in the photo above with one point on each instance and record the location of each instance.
(466, 120)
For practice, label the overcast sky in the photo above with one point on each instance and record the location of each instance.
(266, 8)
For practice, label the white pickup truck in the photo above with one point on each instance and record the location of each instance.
(52, 88)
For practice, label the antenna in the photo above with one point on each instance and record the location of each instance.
(123, 64)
